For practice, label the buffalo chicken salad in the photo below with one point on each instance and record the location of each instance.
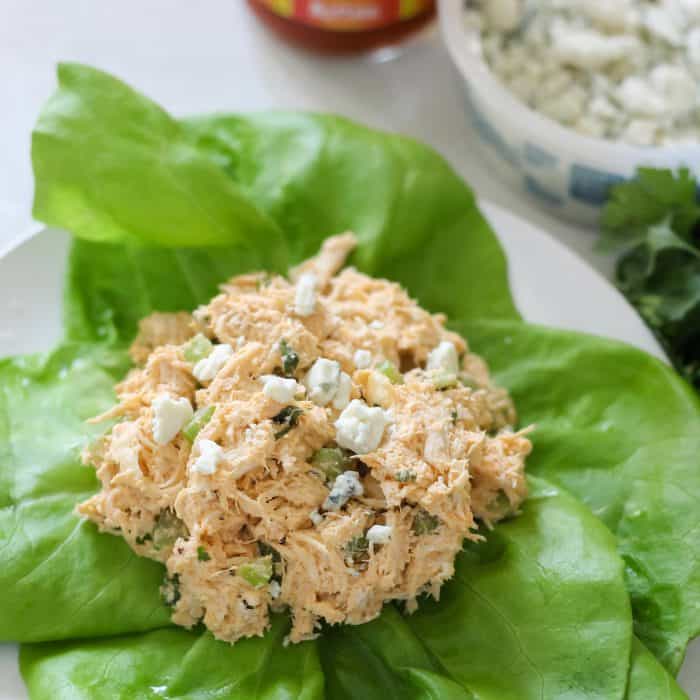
(320, 444)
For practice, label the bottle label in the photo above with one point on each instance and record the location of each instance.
(347, 15)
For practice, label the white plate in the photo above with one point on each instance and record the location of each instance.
(550, 284)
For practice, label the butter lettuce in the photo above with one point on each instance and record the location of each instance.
(59, 577)
(618, 429)
(111, 166)
(648, 679)
(173, 663)
(162, 211)
(114, 168)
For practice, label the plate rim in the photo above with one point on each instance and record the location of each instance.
(646, 341)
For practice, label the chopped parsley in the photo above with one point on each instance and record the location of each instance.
(267, 551)
(424, 523)
(289, 418)
(170, 590)
(357, 549)
(290, 359)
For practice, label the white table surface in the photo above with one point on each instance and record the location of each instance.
(214, 56)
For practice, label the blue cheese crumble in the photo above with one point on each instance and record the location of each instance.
(360, 427)
(623, 70)
(169, 417)
(346, 486)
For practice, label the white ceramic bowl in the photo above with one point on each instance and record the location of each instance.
(566, 172)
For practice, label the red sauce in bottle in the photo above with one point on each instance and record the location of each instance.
(344, 26)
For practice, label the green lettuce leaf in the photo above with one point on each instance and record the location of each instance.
(417, 221)
(618, 429)
(649, 680)
(173, 663)
(571, 608)
(111, 166)
(59, 577)
(504, 585)
(637, 429)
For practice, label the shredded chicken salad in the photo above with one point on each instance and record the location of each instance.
(319, 444)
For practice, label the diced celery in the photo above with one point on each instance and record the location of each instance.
(201, 417)
(257, 572)
(197, 348)
(390, 371)
(332, 461)
(167, 529)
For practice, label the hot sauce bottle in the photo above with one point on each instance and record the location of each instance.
(344, 26)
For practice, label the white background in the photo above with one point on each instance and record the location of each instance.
(214, 56)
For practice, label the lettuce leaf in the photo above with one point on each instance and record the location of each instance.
(571, 606)
(618, 429)
(112, 166)
(531, 624)
(648, 679)
(417, 221)
(578, 380)
(59, 577)
(173, 663)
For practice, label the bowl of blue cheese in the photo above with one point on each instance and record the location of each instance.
(569, 97)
